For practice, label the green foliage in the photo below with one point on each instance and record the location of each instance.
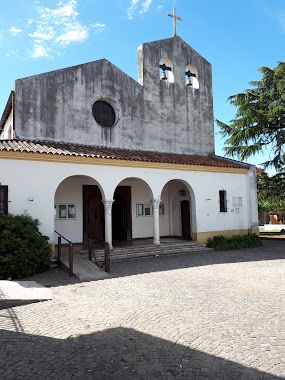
(220, 243)
(271, 192)
(260, 118)
(24, 251)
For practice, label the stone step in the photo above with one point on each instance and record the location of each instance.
(149, 247)
(150, 251)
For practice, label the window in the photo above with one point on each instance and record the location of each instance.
(65, 211)
(3, 199)
(145, 209)
(223, 200)
(104, 113)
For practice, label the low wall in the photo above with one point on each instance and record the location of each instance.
(271, 227)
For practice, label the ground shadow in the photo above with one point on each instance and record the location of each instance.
(113, 354)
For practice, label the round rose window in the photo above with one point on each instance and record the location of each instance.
(104, 113)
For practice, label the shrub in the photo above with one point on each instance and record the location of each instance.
(24, 251)
(220, 243)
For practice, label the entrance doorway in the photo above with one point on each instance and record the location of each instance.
(93, 214)
(121, 214)
(185, 220)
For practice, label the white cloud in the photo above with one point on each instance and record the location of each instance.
(53, 28)
(146, 5)
(11, 52)
(138, 6)
(76, 33)
(14, 31)
(132, 8)
(44, 33)
(56, 28)
(39, 51)
(61, 14)
(99, 27)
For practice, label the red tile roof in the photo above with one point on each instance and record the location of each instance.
(68, 149)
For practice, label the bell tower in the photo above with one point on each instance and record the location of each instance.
(178, 80)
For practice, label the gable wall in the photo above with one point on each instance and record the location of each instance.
(165, 117)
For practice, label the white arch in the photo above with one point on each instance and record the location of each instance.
(195, 80)
(169, 74)
(82, 176)
(136, 179)
(189, 195)
(69, 196)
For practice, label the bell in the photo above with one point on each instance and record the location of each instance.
(163, 76)
(189, 83)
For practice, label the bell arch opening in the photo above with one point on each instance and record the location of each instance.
(166, 70)
(191, 77)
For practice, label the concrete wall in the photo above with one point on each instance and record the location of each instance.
(160, 116)
(37, 197)
(7, 131)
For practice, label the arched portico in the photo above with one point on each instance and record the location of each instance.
(79, 211)
(131, 210)
(178, 203)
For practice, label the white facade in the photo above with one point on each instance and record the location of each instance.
(36, 186)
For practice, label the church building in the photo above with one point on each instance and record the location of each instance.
(94, 154)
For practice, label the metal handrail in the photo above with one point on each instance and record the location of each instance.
(70, 242)
(70, 253)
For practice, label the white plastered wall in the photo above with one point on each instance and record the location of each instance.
(33, 185)
(7, 132)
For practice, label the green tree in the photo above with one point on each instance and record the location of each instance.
(271, 192)
(260, 119)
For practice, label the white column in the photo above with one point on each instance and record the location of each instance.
(108, 221)
(155, 209)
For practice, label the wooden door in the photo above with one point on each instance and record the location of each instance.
(185, 220)
(121, 214)
(93, 214)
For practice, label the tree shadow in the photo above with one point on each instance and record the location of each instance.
(114, 354)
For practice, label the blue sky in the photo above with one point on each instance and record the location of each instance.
(237, 37)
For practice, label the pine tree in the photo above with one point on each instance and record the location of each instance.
(260, 119)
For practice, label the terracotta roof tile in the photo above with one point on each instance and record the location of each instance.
(68, 149)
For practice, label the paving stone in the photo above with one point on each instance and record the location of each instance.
(208, 315)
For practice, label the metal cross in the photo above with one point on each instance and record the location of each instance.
(174, 20)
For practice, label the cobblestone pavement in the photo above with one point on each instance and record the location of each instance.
(208, 315)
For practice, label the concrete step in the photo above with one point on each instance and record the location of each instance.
(149, 247)
(149, 251)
